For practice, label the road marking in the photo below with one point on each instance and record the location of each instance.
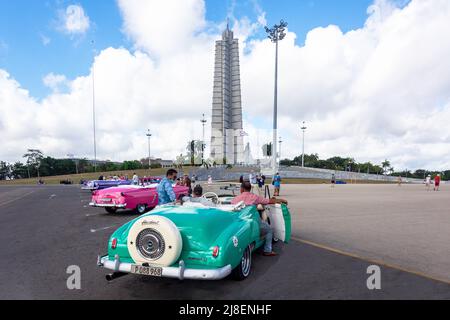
(101, 229)
(21, 197)
(94, 214)
(52, 196)
(372, 261)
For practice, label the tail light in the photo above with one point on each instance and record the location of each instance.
(114, 243)
(215, 252)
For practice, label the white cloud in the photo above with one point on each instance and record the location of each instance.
(55, 81)
(377, 92)
(74, 21)
(163, 27)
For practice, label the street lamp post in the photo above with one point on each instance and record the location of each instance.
(93, 108)
(71, 156)
(303, 128)
(203, 122)
(149, 136)
(276, 34)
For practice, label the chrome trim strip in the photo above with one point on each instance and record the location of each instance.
(108, 205)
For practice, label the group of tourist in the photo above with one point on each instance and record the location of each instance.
(113, 178)
(167, 195)
(258, 182)
(436, 182)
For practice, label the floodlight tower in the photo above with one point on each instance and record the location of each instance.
(93, 107)
(276, 34)
(303, 128)
(203, 122)
(149, 136)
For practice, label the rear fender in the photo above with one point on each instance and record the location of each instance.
(234, 240)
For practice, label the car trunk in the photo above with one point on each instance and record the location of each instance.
(199, 227)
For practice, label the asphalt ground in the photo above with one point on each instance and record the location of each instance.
(46, 229)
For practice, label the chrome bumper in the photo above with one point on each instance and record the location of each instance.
(179, 272)
(108, 205)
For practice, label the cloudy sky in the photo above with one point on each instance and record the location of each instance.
(370, 79)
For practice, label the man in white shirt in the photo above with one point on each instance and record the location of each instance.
(428, 182)
(135, 179)
(197, 197)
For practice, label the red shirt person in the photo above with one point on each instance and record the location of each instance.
(251, 199)
(437, 182)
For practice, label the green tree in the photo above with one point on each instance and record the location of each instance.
(18, 170)
(132, 165)
(34, 158)
(4, 170)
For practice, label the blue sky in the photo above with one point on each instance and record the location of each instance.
(24, 25)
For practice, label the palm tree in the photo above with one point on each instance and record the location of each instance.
(386, 165)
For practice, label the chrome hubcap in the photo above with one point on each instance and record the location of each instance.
(150, 244)
(246, 262)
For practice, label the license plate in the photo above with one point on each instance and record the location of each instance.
(106, 200)
(146, 271)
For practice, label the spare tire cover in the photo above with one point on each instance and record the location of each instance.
(155, 240)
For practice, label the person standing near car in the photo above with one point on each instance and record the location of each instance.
(251, 199)
(187, 183)
(165, 188)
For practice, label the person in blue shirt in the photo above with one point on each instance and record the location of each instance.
(165, 188)
(277, 184)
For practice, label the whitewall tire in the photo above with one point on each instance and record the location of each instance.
(155, 240)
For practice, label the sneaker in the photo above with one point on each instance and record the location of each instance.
(270, 254)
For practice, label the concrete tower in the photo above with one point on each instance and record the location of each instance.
(226, 131)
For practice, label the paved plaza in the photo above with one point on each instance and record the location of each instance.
(405, 226)
(338, 233)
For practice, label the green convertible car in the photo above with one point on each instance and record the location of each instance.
(193, 241)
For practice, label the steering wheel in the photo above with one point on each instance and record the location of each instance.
(213, 195)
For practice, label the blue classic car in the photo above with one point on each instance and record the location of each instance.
(104, 184)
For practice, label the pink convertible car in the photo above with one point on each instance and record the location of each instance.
(141, 199)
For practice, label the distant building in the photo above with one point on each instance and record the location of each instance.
(161, 162)
(226, 124)
(92, 162)
(166, 163)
